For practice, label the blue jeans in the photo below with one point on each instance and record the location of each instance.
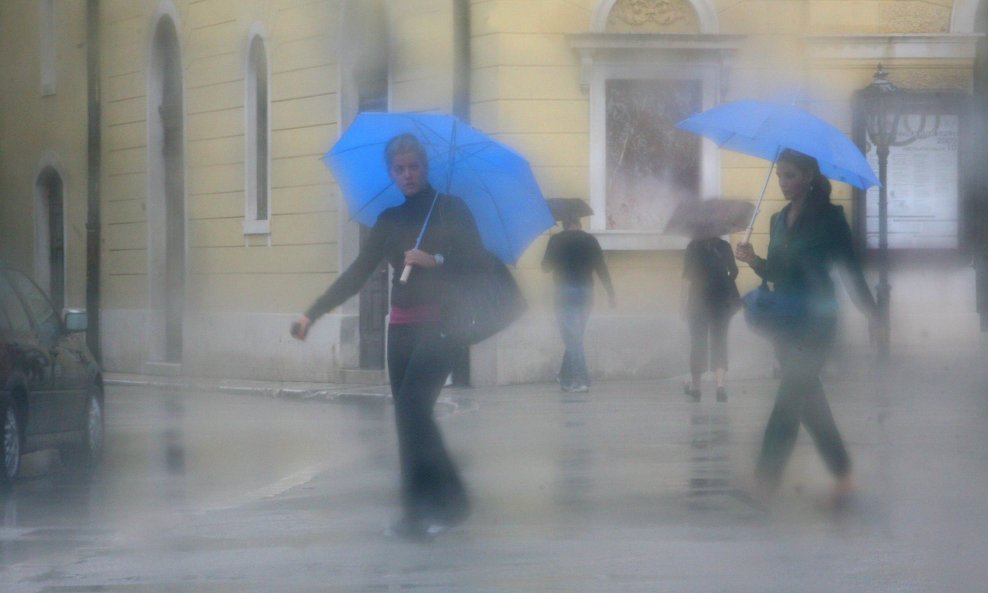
(573, 304)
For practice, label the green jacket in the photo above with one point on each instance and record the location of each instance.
(800, 259)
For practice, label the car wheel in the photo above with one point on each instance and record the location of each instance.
(95, 428)
(87, 453)
(10, 439)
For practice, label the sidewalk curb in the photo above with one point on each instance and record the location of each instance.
(299, 392)
(848, 366)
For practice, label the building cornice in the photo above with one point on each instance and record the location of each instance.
(595, 42)
(854, 46)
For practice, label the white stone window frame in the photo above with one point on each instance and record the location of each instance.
(619, 56)
(47, 37)
(253, 225)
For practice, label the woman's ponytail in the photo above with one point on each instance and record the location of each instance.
(820, 190)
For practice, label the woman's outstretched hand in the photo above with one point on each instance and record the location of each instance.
(300, 327)
(745, 252)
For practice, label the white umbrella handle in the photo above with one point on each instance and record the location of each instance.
(758, 205)
(408, 268)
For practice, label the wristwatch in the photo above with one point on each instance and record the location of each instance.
(439, 259)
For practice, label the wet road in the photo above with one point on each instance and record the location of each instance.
(171, 457)
(626, 488)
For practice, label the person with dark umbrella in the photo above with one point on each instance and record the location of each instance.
(710, 299)
(710, 295)
(573, 255)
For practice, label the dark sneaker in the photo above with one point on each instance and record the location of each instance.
(721, 394)
(691, 392)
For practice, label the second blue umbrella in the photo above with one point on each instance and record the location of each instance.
(765, 128)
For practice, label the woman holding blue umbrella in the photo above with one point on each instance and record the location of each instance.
(807, 237)
(435, 235)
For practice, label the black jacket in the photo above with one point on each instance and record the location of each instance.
(451, 232)
(709, 266)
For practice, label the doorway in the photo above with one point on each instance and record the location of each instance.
(364, 53)
(166, 196)
(979, 185)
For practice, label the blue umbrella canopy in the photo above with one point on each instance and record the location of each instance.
(764, 128)
(494, 180)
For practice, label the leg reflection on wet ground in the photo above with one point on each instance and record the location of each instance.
(624, 488)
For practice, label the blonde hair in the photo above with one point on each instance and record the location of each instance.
(401, 144)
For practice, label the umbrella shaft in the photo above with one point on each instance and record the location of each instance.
(758, 204)
(408, 269)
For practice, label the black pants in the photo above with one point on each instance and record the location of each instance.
(708, 339)
(800, 399)
(419, 360)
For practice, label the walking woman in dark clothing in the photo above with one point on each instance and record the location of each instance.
(807, 237)
(711, 298)
(420, 356)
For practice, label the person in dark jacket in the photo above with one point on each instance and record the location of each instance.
(711, 298)
(807, 237)
(573, 256)
(420, 356)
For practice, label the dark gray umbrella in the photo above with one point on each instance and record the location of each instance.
(569, 208)
(709, 218)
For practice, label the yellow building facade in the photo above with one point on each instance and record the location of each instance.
(43, 166)
(219, 223)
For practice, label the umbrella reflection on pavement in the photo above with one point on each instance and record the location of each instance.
(710, 464)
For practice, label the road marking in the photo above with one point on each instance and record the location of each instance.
(271, 490)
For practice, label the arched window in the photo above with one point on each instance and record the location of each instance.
(166, 209)
(49, 232)
(257, 162)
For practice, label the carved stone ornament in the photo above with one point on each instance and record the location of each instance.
(944, 79)
(913, 17)
(650, 16)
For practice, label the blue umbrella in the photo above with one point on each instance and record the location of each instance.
(765, 128)
(495, 181)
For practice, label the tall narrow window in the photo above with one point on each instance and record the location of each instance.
(46, 29)
(49, 233)
(258, 158)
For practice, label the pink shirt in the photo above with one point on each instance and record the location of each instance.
(427, 313)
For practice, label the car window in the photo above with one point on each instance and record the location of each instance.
(37, 305)
(13, 311)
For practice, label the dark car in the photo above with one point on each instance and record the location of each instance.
(51, 388)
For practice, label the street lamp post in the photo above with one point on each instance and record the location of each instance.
(885, 109)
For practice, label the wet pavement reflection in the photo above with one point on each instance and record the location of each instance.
(626, 488)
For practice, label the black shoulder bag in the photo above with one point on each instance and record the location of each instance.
(480, 298)
(480, 301)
